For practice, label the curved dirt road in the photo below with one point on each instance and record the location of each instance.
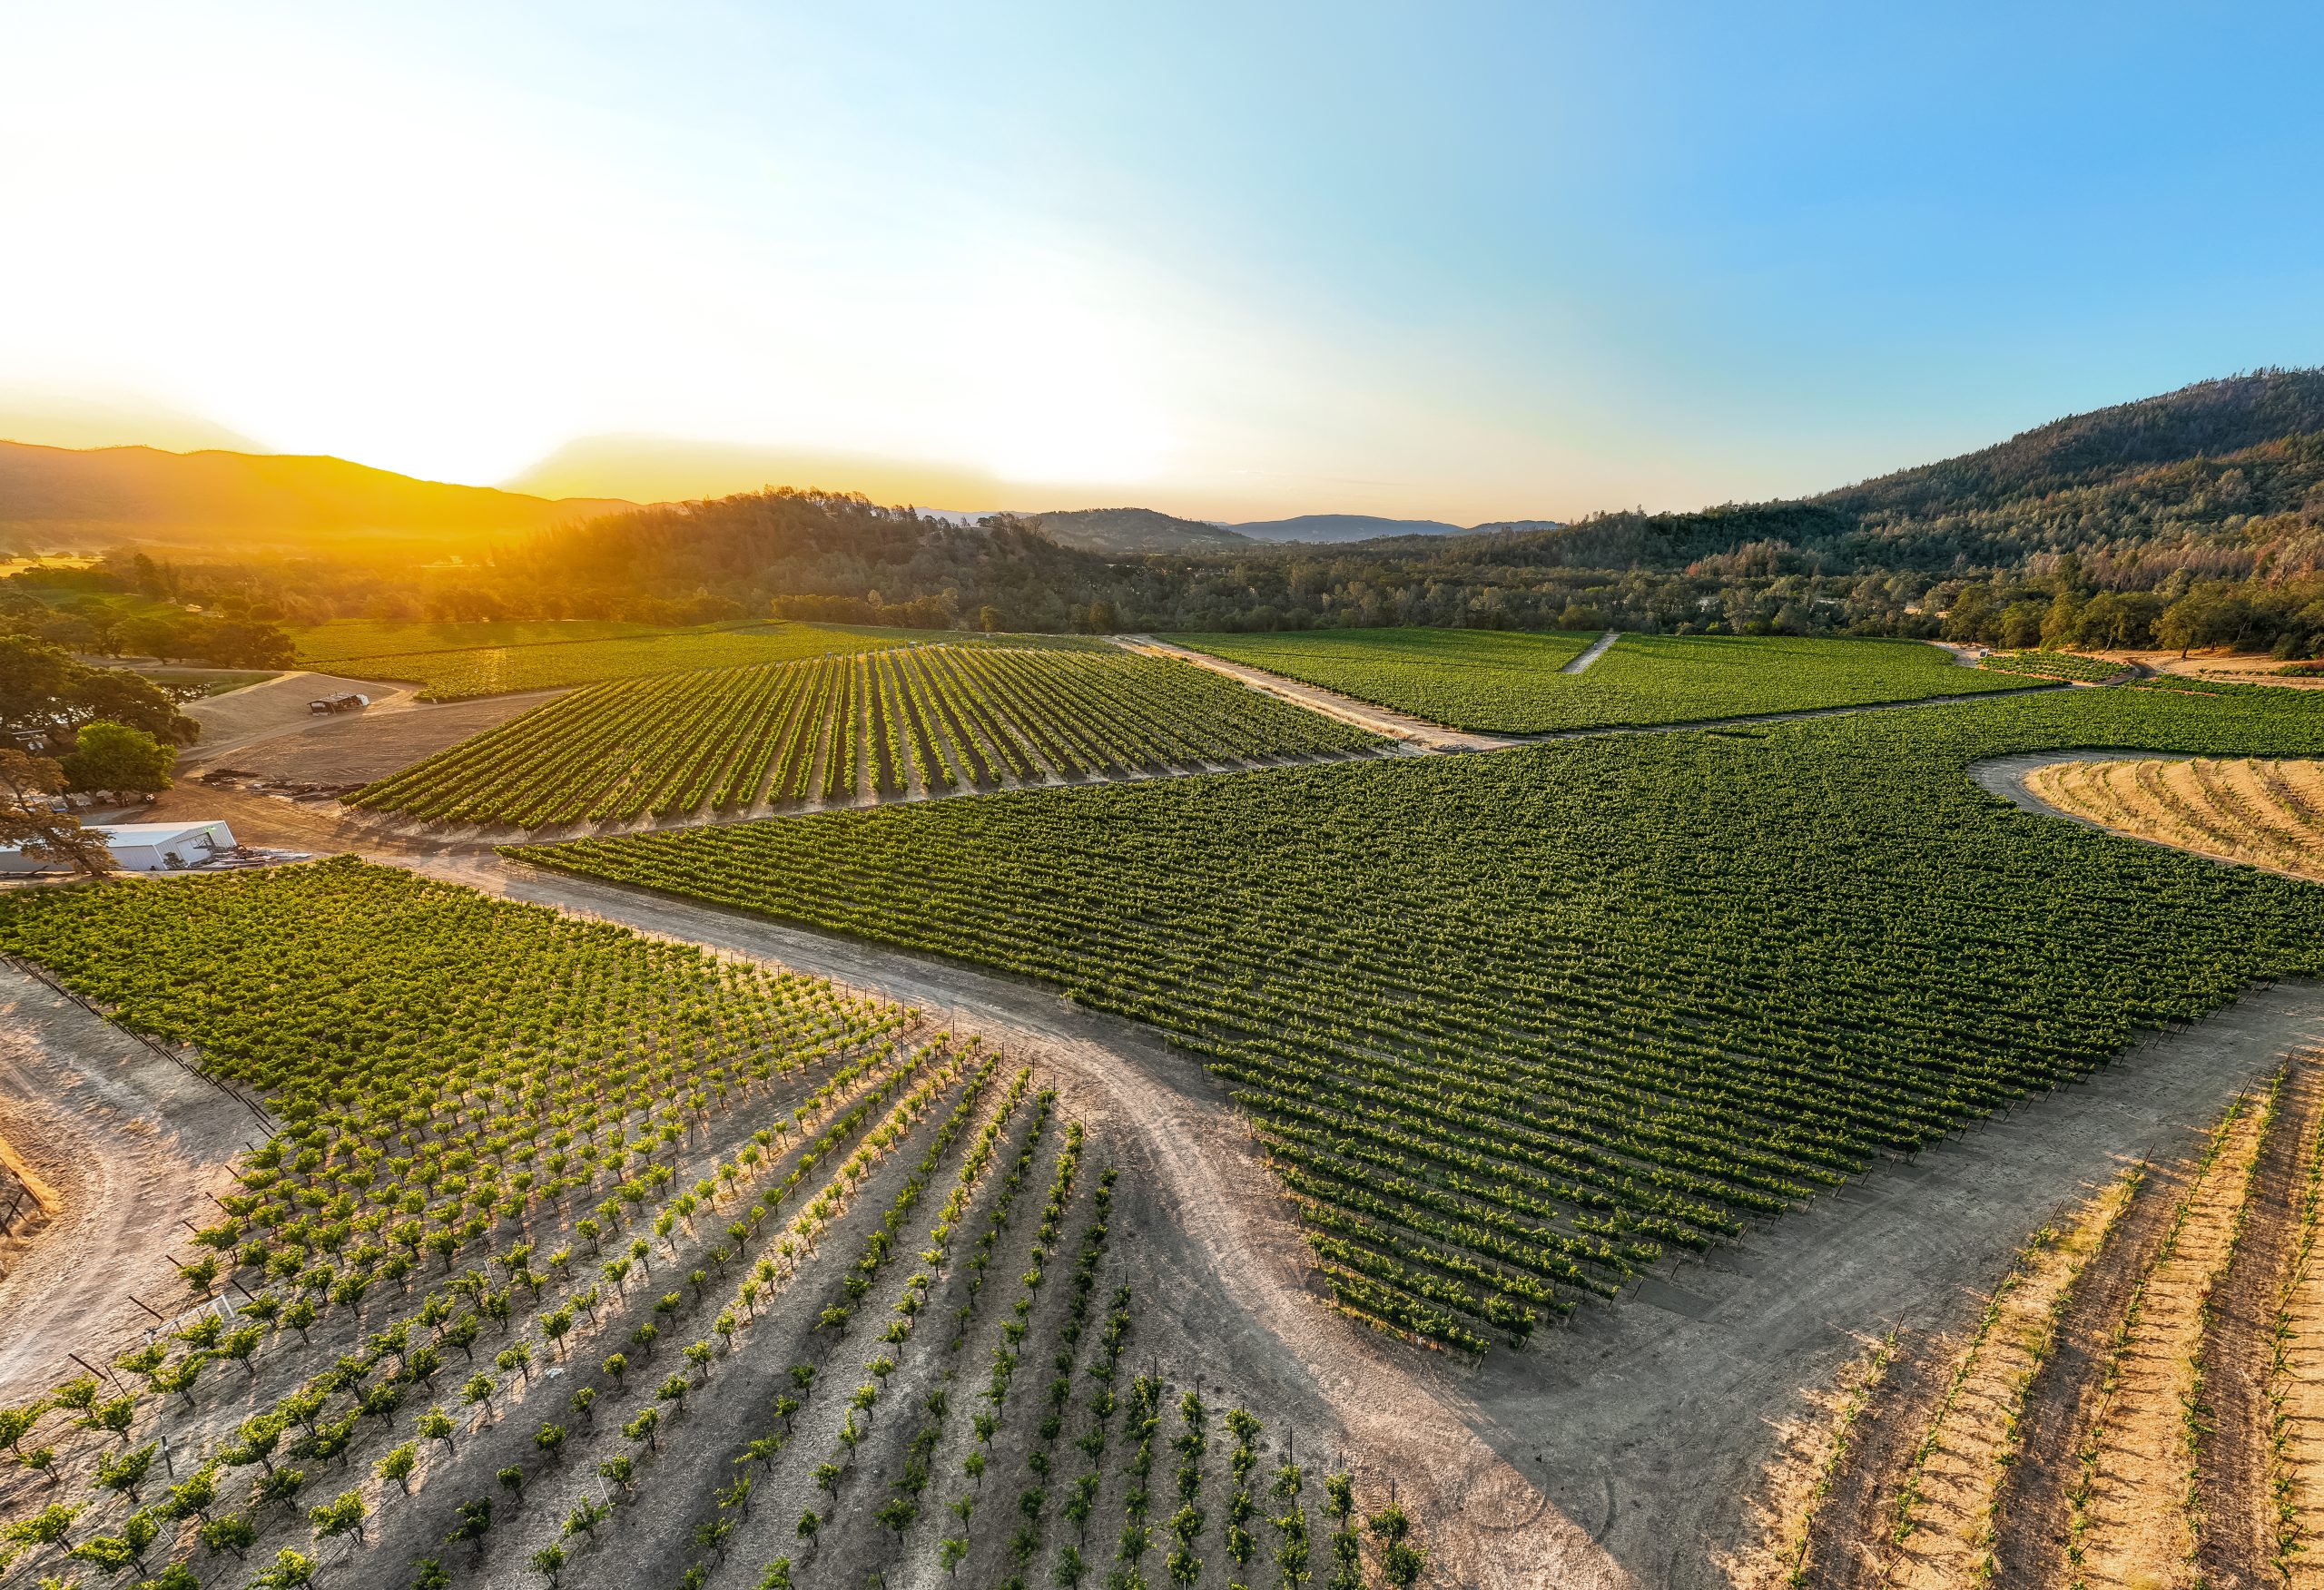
(131, 1146)
(1235, 1234)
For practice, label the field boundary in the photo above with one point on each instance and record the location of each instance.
(1595, 650)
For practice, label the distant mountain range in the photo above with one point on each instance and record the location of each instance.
(105, 497)
(1332, 527)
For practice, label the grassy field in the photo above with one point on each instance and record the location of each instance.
(1512, 1026)
(916, 720)
(187, 685)
(453, 662)
(343, 639)
(1495, 682)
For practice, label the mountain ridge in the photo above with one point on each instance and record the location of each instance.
(290, 501)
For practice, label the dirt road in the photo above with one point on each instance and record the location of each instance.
(131, 1146)
(1331, 703)
(1591, 654)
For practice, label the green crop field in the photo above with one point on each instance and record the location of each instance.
(923, 718)
(546, 1198)
(459, 673)
(2055, 666)
(341, 640)
(1498, 683)
(1512, 1025)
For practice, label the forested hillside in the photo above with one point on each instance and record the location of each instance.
(53, 496)
(2191, 519)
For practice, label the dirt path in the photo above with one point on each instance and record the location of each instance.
(1595, 649)
(1331, 703)
(1230, 1236)
(128, 1145)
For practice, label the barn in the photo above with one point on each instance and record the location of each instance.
(144, 846)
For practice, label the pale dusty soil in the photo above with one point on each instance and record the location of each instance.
(1809, 1454)
(2304, 1408)
(2239, 1519)
(2138, 1533)
(2245, 667)
(354, 748)
(130, 1146)
(267, 729)
(1954, 1522)
(278, 704)
(2065, 1400)
(1847, 1544)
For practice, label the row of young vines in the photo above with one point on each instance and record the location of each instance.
(563, 1265)
(836, 730)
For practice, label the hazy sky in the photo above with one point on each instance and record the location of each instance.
(1455, 261)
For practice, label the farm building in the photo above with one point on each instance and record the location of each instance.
(144, 846)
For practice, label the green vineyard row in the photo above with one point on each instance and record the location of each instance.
(1512, 1027)
(835, 730)
(1512, 684)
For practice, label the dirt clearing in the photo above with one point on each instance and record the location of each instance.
(128, 1145)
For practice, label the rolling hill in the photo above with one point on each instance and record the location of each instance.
(1333, 527)
(1136, 530)
(2223, 477)
(61, 497)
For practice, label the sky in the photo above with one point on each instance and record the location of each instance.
(1442, 261)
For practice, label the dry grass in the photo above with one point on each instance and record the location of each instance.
(1968, 1453)
(2262, 813)
(2138, 1534)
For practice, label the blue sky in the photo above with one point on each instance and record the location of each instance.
(1453, 262)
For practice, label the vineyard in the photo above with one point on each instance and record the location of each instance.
(918, 720)
(1500, 682)
(1514, 1026)
(341, 640)
(557, 654)
(2134, 1405)
(2263, 812)
(860, 1269)
(2056, 665)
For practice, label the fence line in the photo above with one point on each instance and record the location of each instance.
(40, 975)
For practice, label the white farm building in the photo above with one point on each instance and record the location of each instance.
(144, 846)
